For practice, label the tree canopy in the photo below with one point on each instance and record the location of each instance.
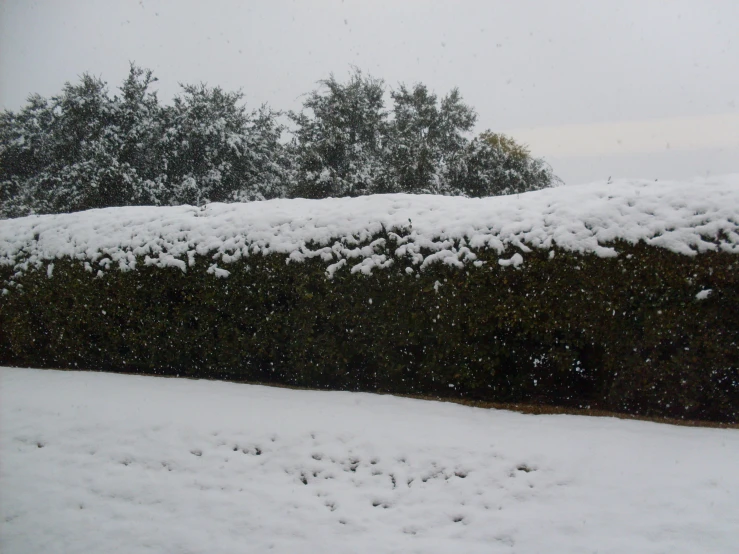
(85, 148)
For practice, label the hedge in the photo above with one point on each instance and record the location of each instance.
(625, 334)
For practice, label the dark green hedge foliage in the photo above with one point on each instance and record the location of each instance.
(624, 334)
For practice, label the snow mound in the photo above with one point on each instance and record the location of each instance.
(684, 217)
(95, 462)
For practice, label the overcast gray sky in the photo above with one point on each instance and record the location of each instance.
(633, 88)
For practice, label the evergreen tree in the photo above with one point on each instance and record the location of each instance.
(78, 150)
(494, 164)
(70, 142)
(263, 164)
(214, 151)
(26, 151)
(426, 136)
(85, 149)
(339, 137)
(141, 128)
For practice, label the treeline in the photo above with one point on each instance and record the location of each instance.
(84, 148)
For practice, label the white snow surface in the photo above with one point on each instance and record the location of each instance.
(685, 217)
(94, 462)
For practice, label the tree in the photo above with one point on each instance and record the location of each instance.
(84, 149)
(81, 149)
(426, 136)
(67, 146)
(214, 151)
(494, 164)
(141, 129)
(263, 163)
(25, 151)
(339, 137)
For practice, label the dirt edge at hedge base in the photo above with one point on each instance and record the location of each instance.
(529, 409)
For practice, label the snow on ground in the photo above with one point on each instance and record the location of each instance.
(585, 218)
(94, 462)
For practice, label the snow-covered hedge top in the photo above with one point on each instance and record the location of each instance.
(684, 217)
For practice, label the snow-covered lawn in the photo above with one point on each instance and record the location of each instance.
(94, 462)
